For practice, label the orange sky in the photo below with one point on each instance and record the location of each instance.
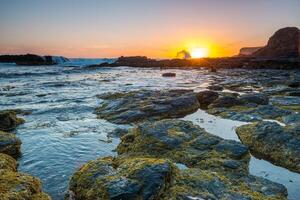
(158, 29)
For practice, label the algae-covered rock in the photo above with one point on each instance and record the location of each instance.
(138, 106)
(132, 178)
(255, 98)
(9, 144)
(7, 163)
(226, 102)
(249, 113)
(184, 142)
(206, 97)
(18, 186)
(205, 184)
(9, 120)
(280, 145)
(144, 178)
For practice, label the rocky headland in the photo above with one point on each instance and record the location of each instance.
(31, 59)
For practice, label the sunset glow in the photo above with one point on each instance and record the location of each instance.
(199, 52)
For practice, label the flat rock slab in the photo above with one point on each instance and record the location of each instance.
(137, 106)
(183, 142)
(144, 178)
(280, 145)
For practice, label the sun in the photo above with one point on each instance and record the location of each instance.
(198, 52)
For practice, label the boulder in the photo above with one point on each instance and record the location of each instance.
(7, 163)
(19, 186)
(283, 44)
(183, 142)
(215, 87)
(137, 106)
(280, 145)
(205, 98)
(132, 178)
(169, 74)
(255, 98)
(9, 144)
(226, 102)
(9, 120)
(143, 178)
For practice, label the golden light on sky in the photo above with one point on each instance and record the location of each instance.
(157, 29)
(198, 52)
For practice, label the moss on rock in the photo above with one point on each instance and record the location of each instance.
(18, 186)
(9, 120)
(138, 106)
(9, 144)
(7, 163)
(280, 145)
(186, 143)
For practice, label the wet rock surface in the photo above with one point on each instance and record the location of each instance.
(279, 144)
(183, 142)
(9, 144)
(131, 107)
(145, 169)
(9, 120)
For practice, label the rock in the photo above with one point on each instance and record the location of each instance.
(31, 59)
(9, 144)
(226, 102)
(205, 98)
(7, 163)
(205, 184)
(280, 145)
(255, 98)
(169, 74)
(132, 178)
(117, 133)
(283, 44)
(248, 51)
(148, 178)
(19, 186)
(291, 119)
(9, 120)
(182, 142)
(137, 106)
(294, 84)
(248, 113)
(215, 87)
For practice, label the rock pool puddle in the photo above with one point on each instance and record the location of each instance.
(62, 132)
(225, 128)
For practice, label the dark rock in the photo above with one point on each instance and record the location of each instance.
(291, 119)
(248, 51)
(215, 87)
(283, 44)
(131, 178)
(9, 144)
(169, 74)
(280, 145)
(139, 106)
(9, 120)
(182, 142)
(117, 133)
(205, 98)
(294, 84)
(31, 59)
(226, 102)
(256, 98)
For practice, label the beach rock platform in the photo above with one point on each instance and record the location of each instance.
(137, 106)
(147, 167)
(280, 145)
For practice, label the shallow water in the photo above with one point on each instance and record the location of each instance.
(62, 132)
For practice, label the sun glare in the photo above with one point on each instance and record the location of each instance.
(198, 52)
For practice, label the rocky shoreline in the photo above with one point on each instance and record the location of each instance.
(13, 184)
(190, 163)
